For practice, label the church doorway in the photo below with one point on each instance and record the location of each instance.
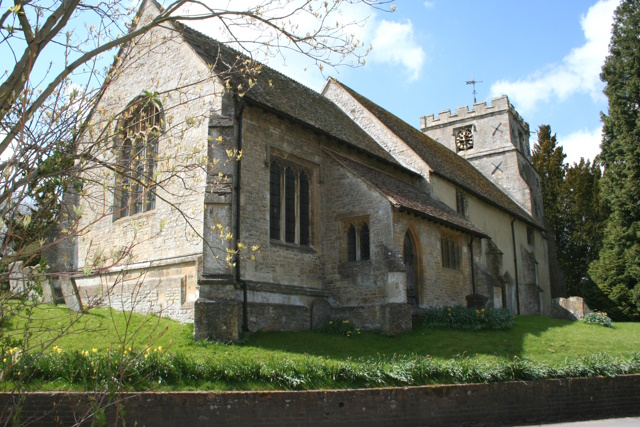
(411, 259)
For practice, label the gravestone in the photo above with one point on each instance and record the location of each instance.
(70, 293)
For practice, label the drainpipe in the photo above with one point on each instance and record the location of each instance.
(515, 264)
(473, 270)
(245, 317)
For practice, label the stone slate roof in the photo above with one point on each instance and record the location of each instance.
(405, 196)
(276, 92)
(443, 161)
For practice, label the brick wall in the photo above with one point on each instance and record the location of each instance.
(501, 404)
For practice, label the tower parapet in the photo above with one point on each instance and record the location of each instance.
(495, 139)
(498, 104)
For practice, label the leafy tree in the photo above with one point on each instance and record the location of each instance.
(617, 271)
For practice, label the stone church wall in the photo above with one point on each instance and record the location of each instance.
(266, 135)
(497, 224)
(438, 286)
(345, 198)
(170, 64)
(166, 288)
(284, 279)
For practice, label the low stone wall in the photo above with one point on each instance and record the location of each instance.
(501, 404)
(278, 317)
(164, 287)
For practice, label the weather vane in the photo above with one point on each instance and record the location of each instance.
(473, 82)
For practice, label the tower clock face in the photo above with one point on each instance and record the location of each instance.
(464, 139)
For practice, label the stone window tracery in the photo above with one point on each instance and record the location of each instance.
(358, 240)
(138, 133)
(289, 202)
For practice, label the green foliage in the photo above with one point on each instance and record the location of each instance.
(459, 317)
(572, 207)
(295, 360)
(104, 372)
(598, 318)
(617, 271)
(584, 225)
(341, 327)
(548, 159)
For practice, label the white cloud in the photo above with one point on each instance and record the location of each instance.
(394, 43)
(429, 4)
(579, 71)
(583, 143)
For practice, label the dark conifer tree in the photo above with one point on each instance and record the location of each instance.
(584, 217)
(548, 159)
(617, 271)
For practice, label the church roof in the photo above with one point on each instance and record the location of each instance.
(443, 161)
(408, 197)
(275, 91)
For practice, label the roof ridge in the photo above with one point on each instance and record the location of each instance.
(404, 169)
(448, 216)
(425, 142)
(225, 45)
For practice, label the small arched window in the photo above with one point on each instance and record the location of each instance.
(351, 243)
(358, 248)
(138, 131)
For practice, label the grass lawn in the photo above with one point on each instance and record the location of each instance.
(537, 339)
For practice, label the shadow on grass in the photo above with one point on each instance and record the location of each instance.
(424, 341)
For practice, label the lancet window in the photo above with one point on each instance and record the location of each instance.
(358, 241)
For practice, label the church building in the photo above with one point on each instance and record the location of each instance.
(246, 201)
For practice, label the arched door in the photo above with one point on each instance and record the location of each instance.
(411, 266)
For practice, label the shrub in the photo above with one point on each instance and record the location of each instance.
(598, 318)
(341, 327)
(459, 317)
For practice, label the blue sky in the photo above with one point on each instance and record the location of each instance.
(545, 55)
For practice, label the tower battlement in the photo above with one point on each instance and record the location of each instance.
(463, 112)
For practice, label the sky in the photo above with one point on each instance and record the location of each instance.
(545, 55)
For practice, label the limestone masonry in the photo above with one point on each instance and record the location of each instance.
(338, 208)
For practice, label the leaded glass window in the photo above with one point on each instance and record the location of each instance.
(138, 130)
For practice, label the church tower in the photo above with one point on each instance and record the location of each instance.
(495, 139)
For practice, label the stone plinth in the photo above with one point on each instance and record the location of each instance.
(397, 318)
(217, 320)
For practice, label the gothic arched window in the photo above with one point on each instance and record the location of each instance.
(289, 202)
(138, 132)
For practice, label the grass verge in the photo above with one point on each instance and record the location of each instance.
(106, 349)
